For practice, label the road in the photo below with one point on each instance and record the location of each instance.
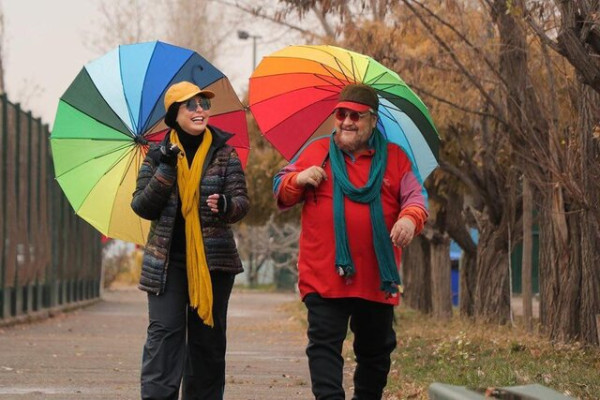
(95, 352)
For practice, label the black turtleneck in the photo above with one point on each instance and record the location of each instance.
(190, 144)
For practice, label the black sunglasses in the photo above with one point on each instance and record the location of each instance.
(195, 102)
(341, 114)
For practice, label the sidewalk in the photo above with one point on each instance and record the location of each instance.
(94, 353)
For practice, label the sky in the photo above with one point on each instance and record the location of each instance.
(44, 50)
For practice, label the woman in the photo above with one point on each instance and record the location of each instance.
(191, 187)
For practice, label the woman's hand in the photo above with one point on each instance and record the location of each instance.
(213, 202)
(169, 154)
(218, 202)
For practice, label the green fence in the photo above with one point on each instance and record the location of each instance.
(49, 258)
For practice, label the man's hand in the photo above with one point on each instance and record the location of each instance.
(311, 176)
(403, 232)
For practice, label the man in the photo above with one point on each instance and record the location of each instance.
(360, 200)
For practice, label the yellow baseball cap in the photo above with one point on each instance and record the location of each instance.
(182, 91)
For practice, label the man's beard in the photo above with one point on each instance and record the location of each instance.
(347, 147)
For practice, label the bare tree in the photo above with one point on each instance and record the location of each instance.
(125, 22)
(2, 38)
(187, 22)
(578, 38)
(269, 244)
(526, 263)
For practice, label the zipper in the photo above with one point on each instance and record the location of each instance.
(166, 269)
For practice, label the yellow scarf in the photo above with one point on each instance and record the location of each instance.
(188, 180)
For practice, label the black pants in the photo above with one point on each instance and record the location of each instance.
(374, 341)
(180, 345)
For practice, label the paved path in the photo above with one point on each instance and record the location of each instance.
(94, 353)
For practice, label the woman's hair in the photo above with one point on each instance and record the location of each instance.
(171, 115)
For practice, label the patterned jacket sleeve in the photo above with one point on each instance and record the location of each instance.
(235, 190)
(153, 187)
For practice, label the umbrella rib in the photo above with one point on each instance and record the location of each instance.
(343, 67)
(137, 151)
(128, 133)
(329, 70)
(375, 79)
(389, 115)
(326, 82)
(104, 174)
(116, 149)
(339, 83)
(296, 90)
(354, 67)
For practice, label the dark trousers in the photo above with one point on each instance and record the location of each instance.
(374, 341)
(179, 345)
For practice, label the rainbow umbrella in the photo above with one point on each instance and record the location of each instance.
(108, 116)
(293, 92)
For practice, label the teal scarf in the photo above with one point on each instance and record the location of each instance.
(371, 194)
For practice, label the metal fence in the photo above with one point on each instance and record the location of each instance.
(49, 257)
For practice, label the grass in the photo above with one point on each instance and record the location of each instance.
(478, 356)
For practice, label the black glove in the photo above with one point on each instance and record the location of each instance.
(169, 153)
(223, 203)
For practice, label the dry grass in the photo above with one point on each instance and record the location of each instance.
(480, 356)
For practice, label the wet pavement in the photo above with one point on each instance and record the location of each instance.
(95, 352)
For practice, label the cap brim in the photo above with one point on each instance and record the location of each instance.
(205, 93)
(350, 105)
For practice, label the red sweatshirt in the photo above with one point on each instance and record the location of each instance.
(401, 195)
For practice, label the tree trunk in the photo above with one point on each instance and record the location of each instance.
(570, 260)
(456, 226)
(441, 277)
(527, 256)
(252, 272)
(466, 293)
(590, 280)
(578, 39)
(416, 275)
(589, 112)
(560, 272)
(2, 41)
(492, 293)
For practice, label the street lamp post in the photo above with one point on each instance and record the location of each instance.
(244, 35)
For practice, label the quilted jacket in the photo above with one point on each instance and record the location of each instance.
(156, 198)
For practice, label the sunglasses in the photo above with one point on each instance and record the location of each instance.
(341, 114)
(193, 103)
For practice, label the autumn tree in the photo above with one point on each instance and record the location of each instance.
(548, 153)
(570, 285)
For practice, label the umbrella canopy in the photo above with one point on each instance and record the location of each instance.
(110, 113)
(293, 93)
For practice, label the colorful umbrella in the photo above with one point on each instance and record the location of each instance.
(110, 112)
(293, 92)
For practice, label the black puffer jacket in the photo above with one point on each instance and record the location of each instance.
(156, 199)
